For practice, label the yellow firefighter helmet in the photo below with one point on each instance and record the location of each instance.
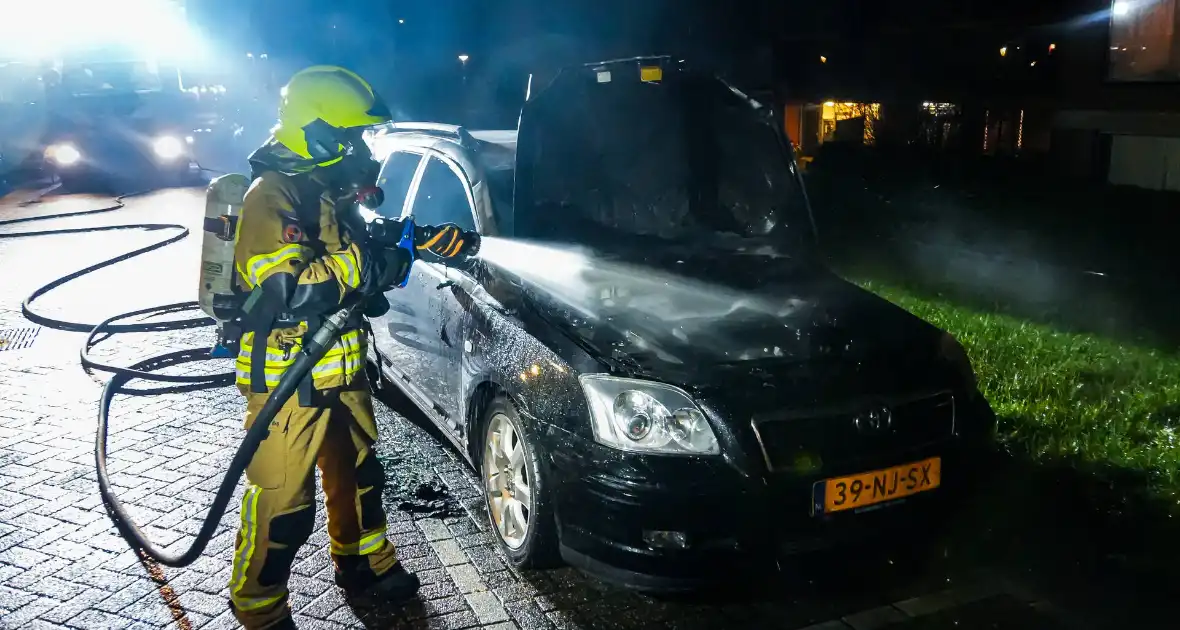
(318, 105)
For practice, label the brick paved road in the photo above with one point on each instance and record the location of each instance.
(62, 565)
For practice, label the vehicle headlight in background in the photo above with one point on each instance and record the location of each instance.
(646, 417)
(955, 354)
(168, 147)
(63, 154)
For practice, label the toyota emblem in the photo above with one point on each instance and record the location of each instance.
(874, 421)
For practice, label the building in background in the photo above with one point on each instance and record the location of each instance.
(809, 125)
(1087, 90)
(945, 76)
(1119, 114)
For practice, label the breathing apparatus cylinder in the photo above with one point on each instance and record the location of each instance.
(223, 205)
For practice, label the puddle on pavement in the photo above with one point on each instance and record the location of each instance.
(1002, 612)
(411, 483)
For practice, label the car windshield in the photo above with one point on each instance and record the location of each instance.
(688, 161)
(113, 77)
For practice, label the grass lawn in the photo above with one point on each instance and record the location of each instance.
(1067, 397)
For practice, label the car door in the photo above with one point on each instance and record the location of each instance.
(455, 207)
(441, 196)
(402, 336)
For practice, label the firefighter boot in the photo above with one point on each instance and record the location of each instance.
(395, 586)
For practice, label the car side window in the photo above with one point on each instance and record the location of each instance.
(394, 180)
(442, 198)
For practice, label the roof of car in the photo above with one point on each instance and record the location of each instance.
(503, 137)
(497, 149)
(494, 149)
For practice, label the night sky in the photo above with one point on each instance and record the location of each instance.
(724, 31)
(913, 49)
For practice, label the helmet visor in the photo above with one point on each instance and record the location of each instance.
(326, 143)
(379, 109)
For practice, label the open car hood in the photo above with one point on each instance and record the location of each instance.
(673, 239)
(653, 148)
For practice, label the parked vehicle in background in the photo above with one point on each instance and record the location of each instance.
(22, 118)
(235, 111)
(118, 120)
(655, 374)
(113, 104)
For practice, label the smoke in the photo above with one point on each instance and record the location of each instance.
(1016, 270)
(652, 310)
(584, 282)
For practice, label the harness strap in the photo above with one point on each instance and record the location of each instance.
(306, 390)
(261, 330)
(223, 226)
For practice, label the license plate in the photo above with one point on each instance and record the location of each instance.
(878, 486)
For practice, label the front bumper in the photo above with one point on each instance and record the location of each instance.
(118, 160)
(737, 523)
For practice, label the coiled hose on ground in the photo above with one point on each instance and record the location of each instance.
(312, 352)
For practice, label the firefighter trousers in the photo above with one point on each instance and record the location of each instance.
(278, 508)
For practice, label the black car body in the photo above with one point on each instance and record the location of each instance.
(647, 239)
(117, 122)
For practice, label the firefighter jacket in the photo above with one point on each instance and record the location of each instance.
(290, 246)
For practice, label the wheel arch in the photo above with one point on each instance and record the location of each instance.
(482, 395)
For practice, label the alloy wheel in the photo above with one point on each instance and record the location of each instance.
(506, 481)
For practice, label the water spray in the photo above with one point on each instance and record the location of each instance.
(643, 302)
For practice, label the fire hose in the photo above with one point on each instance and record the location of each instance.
(313, 350)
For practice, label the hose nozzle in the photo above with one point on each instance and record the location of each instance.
(328, 331)
(473, 243)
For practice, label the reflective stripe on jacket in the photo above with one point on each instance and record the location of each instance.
(338, 367)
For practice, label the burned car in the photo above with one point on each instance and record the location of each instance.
(657, 377)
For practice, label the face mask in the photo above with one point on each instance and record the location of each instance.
(353, 181)
(355, 175)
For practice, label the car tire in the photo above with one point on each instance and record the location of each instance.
(536, 547)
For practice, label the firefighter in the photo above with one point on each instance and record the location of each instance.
(297, 259)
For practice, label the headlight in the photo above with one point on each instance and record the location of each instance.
(953, 353)
(168, 147)
(63, 154)
(647, 417)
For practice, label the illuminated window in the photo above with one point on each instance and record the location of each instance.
(987, 119)
(872, 115)
(1142, 35)
(834, 112)
(940, 109)
(940, 124)
(1020, 132)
